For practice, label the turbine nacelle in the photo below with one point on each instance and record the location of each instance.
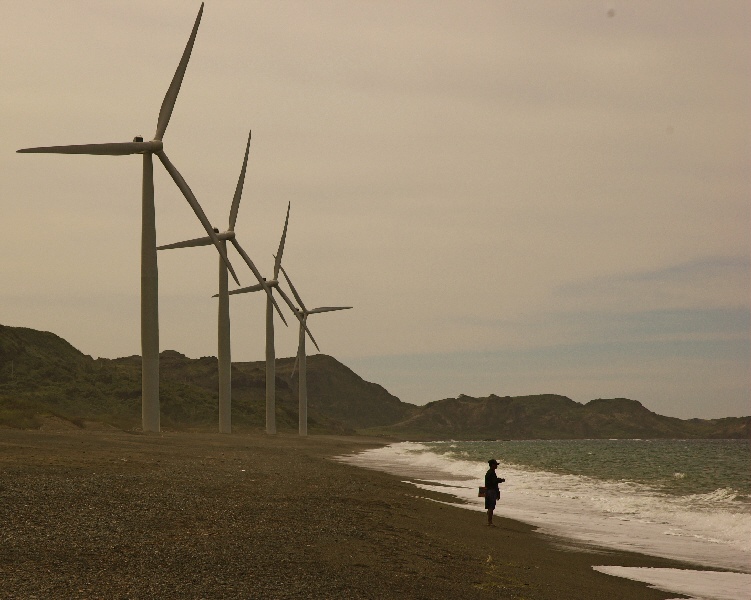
(272, 283)
(225, 236)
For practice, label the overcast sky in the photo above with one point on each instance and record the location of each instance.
(516, 197)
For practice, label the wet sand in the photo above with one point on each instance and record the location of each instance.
(110, 514)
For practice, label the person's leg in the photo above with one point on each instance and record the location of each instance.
(490, 516)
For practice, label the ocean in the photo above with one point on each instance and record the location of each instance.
(683, 499)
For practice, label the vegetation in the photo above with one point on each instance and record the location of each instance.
(43, 376)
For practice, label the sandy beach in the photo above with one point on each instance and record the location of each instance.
(110, 514)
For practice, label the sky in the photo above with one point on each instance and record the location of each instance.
(516, 197)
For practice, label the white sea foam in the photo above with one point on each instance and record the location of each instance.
(705, 529)
(700, 585)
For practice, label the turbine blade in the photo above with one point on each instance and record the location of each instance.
(251, 288)
(187, 192)
(310, 335)
(294, 367)
(292, 307)
(171, 96)
(111, 149)
(239, 190)
(278, 257)
(323, 309)
(204, 241)
(250, 263)
(292, 287)
(260, 279)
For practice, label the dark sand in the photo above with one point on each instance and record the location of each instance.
(94, 514)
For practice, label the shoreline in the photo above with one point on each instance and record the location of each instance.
(616, 514)
(90, 514)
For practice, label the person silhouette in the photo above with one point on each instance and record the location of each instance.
(492, 491)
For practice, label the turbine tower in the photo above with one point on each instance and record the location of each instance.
(302, 316)
(149, 273)
(270, 351)
(223, 335)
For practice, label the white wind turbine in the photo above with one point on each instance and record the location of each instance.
(270, 351)
(224, 355)
(149, 272)
(302, 315)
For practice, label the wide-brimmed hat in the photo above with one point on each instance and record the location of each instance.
(492, 462)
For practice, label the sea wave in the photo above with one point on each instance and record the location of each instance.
(711, 529)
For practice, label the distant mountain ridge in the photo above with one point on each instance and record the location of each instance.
(550, 416)
(41, 374)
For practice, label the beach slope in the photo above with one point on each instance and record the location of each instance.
(110, 514)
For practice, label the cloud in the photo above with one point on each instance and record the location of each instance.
(721, 282)
(482, 176)
(677, 338)
(687, 379)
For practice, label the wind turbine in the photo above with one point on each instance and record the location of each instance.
(270, 352)
(302, 316)
(223, 336)
(149, 272)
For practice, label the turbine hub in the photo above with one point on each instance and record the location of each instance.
(151, 146)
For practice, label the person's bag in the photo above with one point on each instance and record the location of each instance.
(481, 492)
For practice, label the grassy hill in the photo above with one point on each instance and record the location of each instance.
(42, 375)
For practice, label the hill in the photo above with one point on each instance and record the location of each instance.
(550, 416)
(43, 376)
